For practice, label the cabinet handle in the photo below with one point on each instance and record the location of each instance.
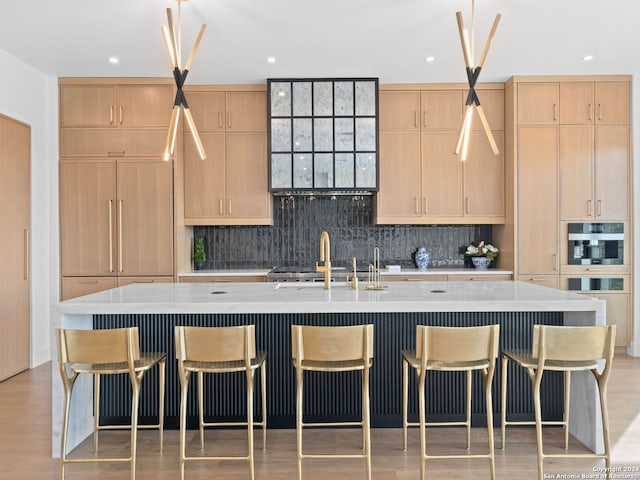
(425, 118)
(555, 262)
(221, 207)
(599, 208)
(415, 119)
(25, 240)
(555, 111)
(229, 201)
(87, 282)
(466, 205)
(426, 205)
(118, 153)
(588, 208)
(220, 125)
(111, 114)
(417, 205)
(228, 119)
(590, 111)
(599, 111)
(120, 238)
(111, 236)
(120, 114)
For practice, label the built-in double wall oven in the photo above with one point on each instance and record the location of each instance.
(596, 263)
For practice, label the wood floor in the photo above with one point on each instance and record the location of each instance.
(25, 444)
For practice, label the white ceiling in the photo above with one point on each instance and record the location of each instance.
(388, 39)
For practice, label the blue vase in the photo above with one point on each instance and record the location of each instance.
(481, 263)
(422, 258)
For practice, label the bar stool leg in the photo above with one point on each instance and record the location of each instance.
(422, 414)
(605, 419)
(183, 421)
(299, 391)
(489, 407)
(366, 420)
(249, 376)
(135, 402)
(96, 410)
(405, 401)
(201, 408)
(468, 421)
(161, 381)
(538, 415)
(567, 407)
(68, 390)
(503, 401)
(263, 387)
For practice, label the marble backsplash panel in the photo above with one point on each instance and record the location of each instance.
(293, 240)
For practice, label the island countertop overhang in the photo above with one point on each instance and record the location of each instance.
(238, 298)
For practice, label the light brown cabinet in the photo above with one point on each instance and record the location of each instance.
(15, 224)
(230, 186)
(590, 103)
(537, 200)
(551, 281)
(223, 278)
(421, 179)
(538, 103)
(114, 119)
(594, 172)
(116, 219)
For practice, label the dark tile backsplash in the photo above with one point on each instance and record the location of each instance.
(294, 238)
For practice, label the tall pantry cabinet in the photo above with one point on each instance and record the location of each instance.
(116, 191)
(15, 181)
(569, 152)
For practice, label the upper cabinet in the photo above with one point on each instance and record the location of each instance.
(421, 179)
(101, 117)
(538, 103)
(323, 134)
(230, 186)
(587, 103)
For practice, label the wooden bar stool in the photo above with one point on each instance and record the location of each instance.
(106, 352)
(564, 349)
(451, 349)
(333, 349)
(219, 350)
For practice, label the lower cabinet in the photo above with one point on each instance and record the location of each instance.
(551, 281)
(444, 278)
(223, 279)
(78, 286)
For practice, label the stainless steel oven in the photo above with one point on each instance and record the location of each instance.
(596, 243)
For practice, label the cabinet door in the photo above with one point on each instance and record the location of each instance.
(612, 172)
(144, 105)
(73, 287)
(551, 281)
(537, 103)
(399, 194)
(577, 103)
(537, 200)
(248, 199)
(87, 106)
(88, 217)
(492, 102)
(246, 112)
(576, 172)
(208, 110)
(441, 175)
(484, 177)
(441, 109)
(15, 187)
(399, 110)
(204, 180)
(612, 102)
(145, 217)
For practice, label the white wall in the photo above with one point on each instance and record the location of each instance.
(32, 98)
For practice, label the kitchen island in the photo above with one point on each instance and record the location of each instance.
(394, 310)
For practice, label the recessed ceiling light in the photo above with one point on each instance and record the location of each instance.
(114, 60)
(430, 59)
(271, 59)
(587, 58)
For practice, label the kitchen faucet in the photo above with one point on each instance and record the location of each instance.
(325, 257)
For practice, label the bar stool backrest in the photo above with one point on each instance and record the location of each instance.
(457, 344)
(344, 343)
(573, 344)
(215, 344)
(98, 346)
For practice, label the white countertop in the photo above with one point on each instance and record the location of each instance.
(296, 297)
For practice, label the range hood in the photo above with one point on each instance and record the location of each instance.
(323, 136)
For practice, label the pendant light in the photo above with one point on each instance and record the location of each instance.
(473, 72)
(173, 43)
